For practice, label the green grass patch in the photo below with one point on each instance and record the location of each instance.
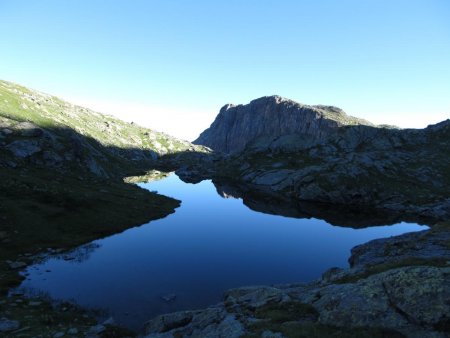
(284, 312)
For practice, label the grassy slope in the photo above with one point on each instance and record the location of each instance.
(23, 104)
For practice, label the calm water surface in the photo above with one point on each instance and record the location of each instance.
(208, 245)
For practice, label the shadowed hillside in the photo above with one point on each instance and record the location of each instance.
(62, 173)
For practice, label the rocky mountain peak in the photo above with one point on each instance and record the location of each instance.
(269, 117)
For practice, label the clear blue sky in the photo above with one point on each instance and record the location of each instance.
(388, 61)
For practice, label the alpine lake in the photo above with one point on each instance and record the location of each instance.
(219, 238)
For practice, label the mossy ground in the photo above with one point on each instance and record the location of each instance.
(42, 318)
(298, 320)
(308, 330)
(379, 268)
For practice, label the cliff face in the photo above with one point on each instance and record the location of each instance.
(266, 118)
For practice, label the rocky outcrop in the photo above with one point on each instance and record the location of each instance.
(417, 246)
(213, 322)
(23, 148)
(267, 118)
(381, 295)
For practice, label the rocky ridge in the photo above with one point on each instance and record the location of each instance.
(319, 154)
(398, 170)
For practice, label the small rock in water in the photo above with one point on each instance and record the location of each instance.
(58, 335)
(8, 325)
(169, 297)
(109, 321)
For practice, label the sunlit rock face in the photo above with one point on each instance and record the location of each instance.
(266, 118)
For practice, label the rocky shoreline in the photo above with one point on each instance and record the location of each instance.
(395, 287)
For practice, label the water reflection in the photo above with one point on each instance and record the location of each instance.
(338, 215)
(80, 254)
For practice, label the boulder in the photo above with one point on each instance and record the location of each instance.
(6, 131)
(168, 322)
(29, 129)
(51, 158)
(24, 148)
